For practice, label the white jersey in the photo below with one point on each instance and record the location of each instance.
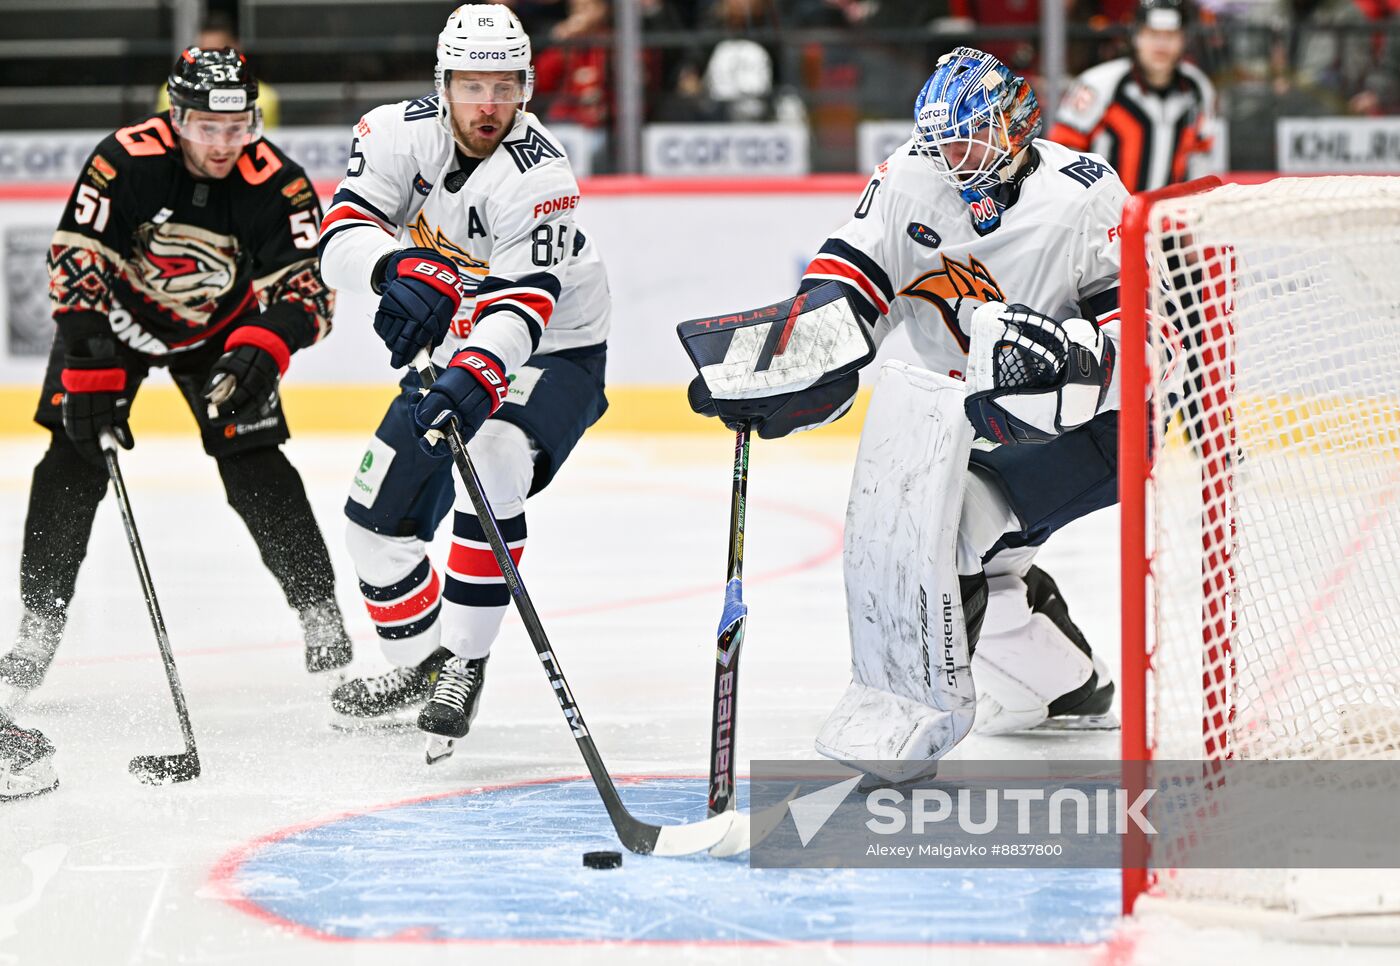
(536, 283)
(912, 256)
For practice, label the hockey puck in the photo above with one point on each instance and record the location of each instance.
(602, 860)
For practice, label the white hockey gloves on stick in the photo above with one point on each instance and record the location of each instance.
(1031, 378)
(783, 368)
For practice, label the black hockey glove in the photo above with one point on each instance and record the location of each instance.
(774, 417)
(469, 390)
(419, 293)
(243, 382)
(94, 394)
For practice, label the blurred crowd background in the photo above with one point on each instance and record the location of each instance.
(826, 63)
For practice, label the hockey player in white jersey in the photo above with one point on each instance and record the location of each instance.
(998, 252)
(457, 210)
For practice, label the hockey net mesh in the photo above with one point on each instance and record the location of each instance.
(1273, 497)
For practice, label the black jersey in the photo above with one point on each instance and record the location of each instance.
(171, 261)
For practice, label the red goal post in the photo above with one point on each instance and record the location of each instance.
(1133, 468)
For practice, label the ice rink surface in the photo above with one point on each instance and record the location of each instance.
(307, 844)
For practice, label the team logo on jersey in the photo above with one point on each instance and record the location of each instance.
(1086, 170)
(531, 149)
(924, 235)
(184, 269)
(420, 108)
(425, 235)
(948, 287)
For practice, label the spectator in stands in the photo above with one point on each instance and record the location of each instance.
(736, 79)
(216, 33)
(1325, 54)
(1151, 114)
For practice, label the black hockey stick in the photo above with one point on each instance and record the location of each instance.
(184, 765)
(725, 719)
(635, 835)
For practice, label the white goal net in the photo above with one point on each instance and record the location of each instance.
(1273, 486)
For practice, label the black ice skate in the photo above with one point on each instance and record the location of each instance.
(26, 762)
(1090, 706)
(449, 712)
(327, 645)
(394, 690)
(24, 668)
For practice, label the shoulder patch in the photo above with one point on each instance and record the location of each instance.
(924, 235)
(531, 150)
(421, 184)
(421, 107)
(1086, 170)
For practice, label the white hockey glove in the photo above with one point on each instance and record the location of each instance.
(1031, 378)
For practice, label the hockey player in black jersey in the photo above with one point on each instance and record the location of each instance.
(189, 243)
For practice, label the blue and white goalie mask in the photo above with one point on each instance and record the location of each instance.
(972, 118)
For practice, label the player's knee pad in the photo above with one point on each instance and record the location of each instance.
(504, 458)
(1030, 655)
(381, 560)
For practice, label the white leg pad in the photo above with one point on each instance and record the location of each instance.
(1023, 661)
(911, 696)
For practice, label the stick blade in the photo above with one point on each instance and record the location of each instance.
(748, 830)
(693, 838)
(165, 769)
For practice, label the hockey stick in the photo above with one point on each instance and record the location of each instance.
(724, 721)
(634, 834)
(153, 769)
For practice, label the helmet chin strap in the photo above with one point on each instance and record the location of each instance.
(986, 204)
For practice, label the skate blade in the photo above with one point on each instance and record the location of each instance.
(1073, 723)
(439, 747)
(38, 779)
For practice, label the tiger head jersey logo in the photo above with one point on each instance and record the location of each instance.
(951, 287)
(425, 235)
(184, 269)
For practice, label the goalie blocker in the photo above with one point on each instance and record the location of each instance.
(783, 368)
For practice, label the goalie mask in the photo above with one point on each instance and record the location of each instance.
(972, 121)
(482, 37)
(214, 82)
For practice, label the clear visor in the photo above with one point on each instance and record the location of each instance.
(969, 155)
(233, 130)
(466, 87)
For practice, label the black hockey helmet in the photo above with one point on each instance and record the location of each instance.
(1162, 14)
(212, 80)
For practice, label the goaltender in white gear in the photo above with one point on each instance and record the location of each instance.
(998, 252)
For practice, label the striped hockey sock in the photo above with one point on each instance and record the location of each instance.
(476, 594)
(407, 609)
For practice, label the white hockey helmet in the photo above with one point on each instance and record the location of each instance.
(482, 37)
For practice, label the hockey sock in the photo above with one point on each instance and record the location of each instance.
(405, 613)
(476, 592)
(63, 499)
(265, 490)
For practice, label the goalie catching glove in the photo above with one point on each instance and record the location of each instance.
(1031, 378)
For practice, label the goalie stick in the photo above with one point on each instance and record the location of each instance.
(153, 769)
(725, 718)
(635, 835)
